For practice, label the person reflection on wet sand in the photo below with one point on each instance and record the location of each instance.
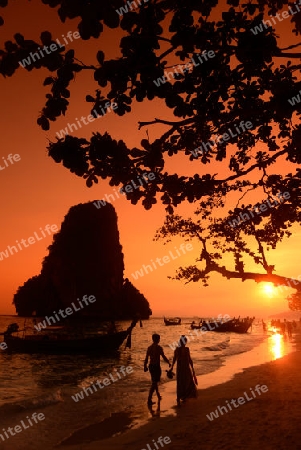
(154, 413)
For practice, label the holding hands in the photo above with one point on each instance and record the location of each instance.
(194, 377)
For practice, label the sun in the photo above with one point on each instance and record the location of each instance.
(269, 290)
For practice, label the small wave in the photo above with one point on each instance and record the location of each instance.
(32, 403)
(218, 347)
(249, 342)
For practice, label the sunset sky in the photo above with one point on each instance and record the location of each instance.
(35, 191)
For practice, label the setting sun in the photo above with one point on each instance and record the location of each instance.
(269, 290)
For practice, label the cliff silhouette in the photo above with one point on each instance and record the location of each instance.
(85, 258)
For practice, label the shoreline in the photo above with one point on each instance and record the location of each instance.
(244, 372)
(234, 365)
(89, 425)
(267, 422)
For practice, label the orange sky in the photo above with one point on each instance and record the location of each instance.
(35, 191)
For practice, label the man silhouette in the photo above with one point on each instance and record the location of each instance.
(154, 352)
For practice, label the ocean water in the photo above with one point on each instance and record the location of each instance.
(28, 376)
(47, 382)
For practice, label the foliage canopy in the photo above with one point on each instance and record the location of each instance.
(251, 78)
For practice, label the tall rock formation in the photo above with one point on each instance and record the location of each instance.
(85, 258)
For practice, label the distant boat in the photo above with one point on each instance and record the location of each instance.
(173, 321)
(60, 340)
(233, 325)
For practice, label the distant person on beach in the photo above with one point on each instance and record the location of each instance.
(154, 352)
(289, 328)
(186, 379)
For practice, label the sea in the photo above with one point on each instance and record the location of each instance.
(46, 383)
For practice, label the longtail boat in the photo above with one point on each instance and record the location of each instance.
(173, 321)
(62, 340)
(233, 325)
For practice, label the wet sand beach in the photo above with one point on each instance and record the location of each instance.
(269, 421)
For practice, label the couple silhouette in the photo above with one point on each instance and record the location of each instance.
(185, 375)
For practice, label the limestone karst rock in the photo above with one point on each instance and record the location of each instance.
(85, 258)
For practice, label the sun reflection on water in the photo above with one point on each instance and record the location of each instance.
(277, 346)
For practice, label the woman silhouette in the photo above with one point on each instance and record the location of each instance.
(186, 379)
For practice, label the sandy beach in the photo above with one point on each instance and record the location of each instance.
(269, 421)
(266, 421)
